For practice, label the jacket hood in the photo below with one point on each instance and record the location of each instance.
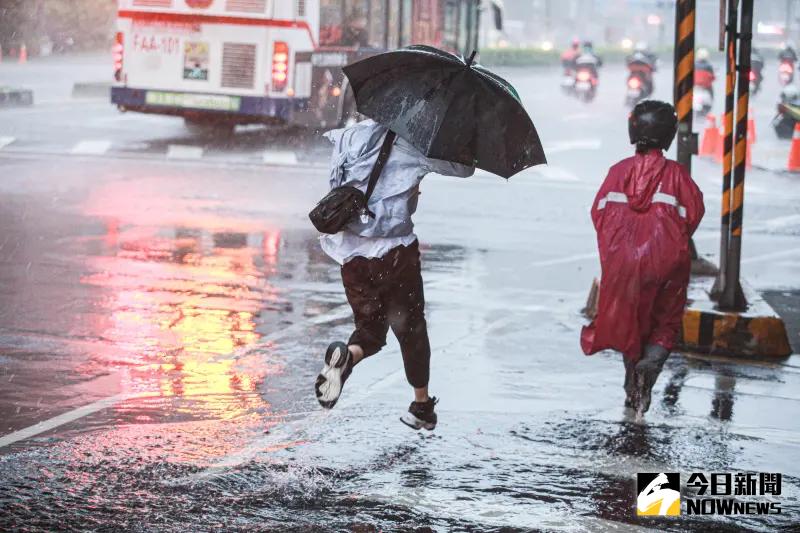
(643, 178)
(358, 142)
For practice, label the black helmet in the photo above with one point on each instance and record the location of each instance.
(652, 124)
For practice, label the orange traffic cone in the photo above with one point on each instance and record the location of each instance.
(23, 54)
(710, 137)
(794, 152)
(751, 139)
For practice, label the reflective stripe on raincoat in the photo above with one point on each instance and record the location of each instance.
(645, 212)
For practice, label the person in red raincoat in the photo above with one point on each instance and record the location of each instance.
(645, 213)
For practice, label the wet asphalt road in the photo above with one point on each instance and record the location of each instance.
(171, 306)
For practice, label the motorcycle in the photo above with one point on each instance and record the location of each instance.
(702, 101)
(639, 88)
(786, 72)
(585, 84)
(568, 82)
(756, 74)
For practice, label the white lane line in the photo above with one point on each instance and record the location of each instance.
(573, 144)
(772, 255)
(62, 419)
(554, 173)
(183, 151)
(5, 141)
(279, 157)
(91, 148)
(564, 260)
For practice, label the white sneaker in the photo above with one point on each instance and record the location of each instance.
(338, 366)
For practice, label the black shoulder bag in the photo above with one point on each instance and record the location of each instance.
(344, 203)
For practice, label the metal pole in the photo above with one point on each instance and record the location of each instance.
(727, 145)
(684, 85)
(732, 297)
(684, 80)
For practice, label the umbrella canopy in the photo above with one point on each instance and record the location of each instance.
(448, 108)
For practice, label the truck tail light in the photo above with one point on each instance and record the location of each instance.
(118, 53)
(280, 66)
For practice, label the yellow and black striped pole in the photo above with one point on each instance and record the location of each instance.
(727, 144)
(684, 85)
(732, 297)
(684, 80)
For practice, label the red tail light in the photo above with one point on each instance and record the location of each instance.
(280, 66)
(118, 53)
(752, 76)
(634, 83)
(786, 67)
(584, 75)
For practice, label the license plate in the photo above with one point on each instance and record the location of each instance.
(583, 85)
(329, 60)
(214, 102)
(633, 92)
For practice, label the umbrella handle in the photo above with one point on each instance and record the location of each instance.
(471, 58)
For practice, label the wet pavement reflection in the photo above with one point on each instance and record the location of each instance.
(199, 301)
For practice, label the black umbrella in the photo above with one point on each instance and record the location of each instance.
(448, 108)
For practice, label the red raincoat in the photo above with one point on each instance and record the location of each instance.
(645, 212)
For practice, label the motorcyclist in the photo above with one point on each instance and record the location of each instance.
(787, 53)
(704, 71)
(645, 213)
(643, 62)
(569, 55)
(756, 67)
(589, 59)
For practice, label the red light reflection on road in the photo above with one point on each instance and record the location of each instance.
(181, 301)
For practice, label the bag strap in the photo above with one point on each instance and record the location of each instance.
(383, 156)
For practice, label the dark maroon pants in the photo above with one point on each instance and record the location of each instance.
(387, 292)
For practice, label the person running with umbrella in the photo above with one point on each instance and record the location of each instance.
(426, 110)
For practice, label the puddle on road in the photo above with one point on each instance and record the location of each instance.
(156, 310)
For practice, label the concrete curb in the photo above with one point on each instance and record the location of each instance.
(94, 89)
(759, 333)
(10, 97)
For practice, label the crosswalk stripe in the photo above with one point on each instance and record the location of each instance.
(5, 141)
(280, 157)
(183, 151)
(91, 147)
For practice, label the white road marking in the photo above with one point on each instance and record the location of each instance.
(771, 255)
(91, 148)
(573, 144)
(62, 419)
(183, 151)
(279, 157)
(5, 141)
(554, 173)
(564, 260)
(342, 311)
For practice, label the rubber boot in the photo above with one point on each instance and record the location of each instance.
(647, 371)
